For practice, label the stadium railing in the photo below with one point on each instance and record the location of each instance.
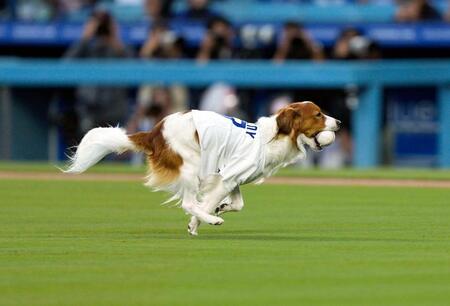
(369, 78)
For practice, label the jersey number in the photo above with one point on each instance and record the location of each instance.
(250, 128)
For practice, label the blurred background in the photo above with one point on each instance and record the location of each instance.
(381, 66)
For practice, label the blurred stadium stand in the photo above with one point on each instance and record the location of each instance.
(376, 19)
(388, 35)
(395, 107)
(239, 11)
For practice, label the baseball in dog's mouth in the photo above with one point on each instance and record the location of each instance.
(316, 142)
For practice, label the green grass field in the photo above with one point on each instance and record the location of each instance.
(378, 173)
(111, 243)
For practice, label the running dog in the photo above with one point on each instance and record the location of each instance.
(202, 157)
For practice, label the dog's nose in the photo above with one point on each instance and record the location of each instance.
(338, 123)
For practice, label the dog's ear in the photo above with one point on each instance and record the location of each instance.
(286, 120)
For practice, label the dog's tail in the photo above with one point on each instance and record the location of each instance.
(96, 144)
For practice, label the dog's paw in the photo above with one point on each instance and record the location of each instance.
(192, 231)
(221, 209)
(193, 226)
(215, 221)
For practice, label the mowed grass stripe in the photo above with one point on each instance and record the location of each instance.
(111, 243)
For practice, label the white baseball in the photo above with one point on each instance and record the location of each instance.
(325, 138)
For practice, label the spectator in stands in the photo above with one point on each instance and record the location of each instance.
(416, 10)
(222, 98)
(100, 105)
(158, 10)
(296, 44)
(198, 10)
(256, 42)
(156, 102)
(153, 104)
(351, 44)
(163, 43)
(218, 40)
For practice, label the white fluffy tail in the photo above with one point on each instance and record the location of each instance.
(95, 145)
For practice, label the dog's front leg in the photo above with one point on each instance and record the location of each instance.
(190, 206)
(194, 222)
(193, 225)
(236, 203)
(212, 192)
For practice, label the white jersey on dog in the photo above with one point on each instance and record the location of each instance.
(230, 147)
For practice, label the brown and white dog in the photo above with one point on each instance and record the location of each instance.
(174, 152)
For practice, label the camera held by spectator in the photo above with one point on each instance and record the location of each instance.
(102, 29)
(296, 44)
(351, 44)
(218, 41)
(163, 43)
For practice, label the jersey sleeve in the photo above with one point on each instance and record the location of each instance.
(238, 171)
(209, 145)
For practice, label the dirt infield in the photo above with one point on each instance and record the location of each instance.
(117, 177)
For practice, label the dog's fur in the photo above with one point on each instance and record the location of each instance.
(173, 152)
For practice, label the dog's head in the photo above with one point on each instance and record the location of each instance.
(302, 121)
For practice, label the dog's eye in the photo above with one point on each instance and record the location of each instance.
(319, 115)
